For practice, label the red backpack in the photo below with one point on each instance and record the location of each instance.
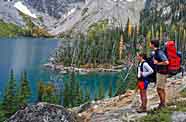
(174, 59)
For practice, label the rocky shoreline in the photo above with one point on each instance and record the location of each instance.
(63, 70)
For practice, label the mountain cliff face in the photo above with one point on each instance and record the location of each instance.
(117, 12)
(54, 8)
(49, 10)
(59, 16)
(9, 14)
(53, 11)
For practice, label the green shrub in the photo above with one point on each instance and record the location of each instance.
(183, 93)
(9, 29)
(164, 115)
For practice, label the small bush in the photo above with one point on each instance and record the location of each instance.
(163, 115)
(183, 93)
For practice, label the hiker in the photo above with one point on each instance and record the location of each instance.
(144, 70)
(161, 62)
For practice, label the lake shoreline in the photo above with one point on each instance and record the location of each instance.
(63, 70)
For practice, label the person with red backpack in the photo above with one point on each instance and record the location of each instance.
(173, 57)
(161, 62)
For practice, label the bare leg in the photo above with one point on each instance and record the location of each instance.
(162, 95)
(143, 95)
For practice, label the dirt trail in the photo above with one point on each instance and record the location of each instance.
(123, 108)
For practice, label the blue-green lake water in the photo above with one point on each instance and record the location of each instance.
(30, 54)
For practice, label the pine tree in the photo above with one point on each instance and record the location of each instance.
(173, 31)
(40, 88)
(152, 32)
(184, 44)
(134, 39)
(137, 29)
(25, 90)
(161, 33)
(9, 104)
(148, 39)
(49, 92)
(128, 30)
(79, 99)
(184, 39)
(66, 97)
(157, 35)
(101, 91)
(76, 94)
(72, 92)
(87, 95)
(2, 115)
(96, 93)
(110, 89)
(121, 45)
(129, 27)
(142, 29)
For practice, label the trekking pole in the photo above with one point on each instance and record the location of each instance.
(124, 79)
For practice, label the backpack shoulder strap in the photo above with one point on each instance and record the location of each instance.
(141, 67)
(157, 51)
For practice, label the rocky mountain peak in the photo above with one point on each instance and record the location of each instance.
(54, 8)
(59, 16)
(94, 11)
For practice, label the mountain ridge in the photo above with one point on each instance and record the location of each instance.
(76, 15)
(61, 16)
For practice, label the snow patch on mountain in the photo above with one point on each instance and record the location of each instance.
(21, 7)
(69, 13)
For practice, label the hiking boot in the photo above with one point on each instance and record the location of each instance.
(161, 105)
(142, 110)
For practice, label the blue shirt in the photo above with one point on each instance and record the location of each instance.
(162, 56)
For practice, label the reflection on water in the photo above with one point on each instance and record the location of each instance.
(30, 54)
(27, 54)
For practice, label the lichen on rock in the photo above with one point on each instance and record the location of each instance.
(44, 112)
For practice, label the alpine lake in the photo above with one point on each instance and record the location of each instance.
(30, 55)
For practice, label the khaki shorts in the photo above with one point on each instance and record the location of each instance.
(161, 80)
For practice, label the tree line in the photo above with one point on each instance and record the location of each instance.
(17, 94)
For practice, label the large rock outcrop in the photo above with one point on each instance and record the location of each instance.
(44, 112)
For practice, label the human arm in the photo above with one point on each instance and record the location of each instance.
(163, 57)
(161, 63)
(148, 71)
